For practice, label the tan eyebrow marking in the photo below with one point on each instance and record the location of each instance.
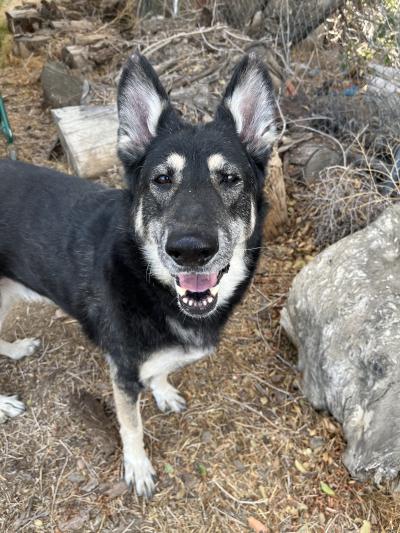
(216, 162)
(176, 161)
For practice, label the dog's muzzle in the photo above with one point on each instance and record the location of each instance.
(198, 293)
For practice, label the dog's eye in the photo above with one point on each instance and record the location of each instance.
(163, 179)
(228, 178)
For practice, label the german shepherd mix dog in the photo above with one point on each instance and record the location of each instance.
(151, 272)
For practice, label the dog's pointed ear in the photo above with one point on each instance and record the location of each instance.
(249, 105)
(143, 106)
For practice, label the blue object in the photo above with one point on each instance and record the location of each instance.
(350, 91)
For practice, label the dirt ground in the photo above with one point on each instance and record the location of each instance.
(249, 447)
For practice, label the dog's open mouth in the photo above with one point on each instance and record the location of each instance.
(198, 293)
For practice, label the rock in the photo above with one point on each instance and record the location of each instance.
(76, 477)
(343, 314)
(312, 156)
(60, 87)
(76, 523)
(118, 489)
(323, 157)
(316, 442)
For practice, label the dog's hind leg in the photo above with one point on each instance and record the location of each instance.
(165, 395)
(10, 293)
(155, 370)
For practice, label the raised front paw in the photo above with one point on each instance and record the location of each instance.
(168, 398)
(10, 407)
(140, 472)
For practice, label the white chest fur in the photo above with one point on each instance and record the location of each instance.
(168, 360)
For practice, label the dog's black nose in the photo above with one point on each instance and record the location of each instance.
(191, 250)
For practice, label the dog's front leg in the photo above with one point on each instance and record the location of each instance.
(138, 468)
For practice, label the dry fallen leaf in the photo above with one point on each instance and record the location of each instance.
(366, 527)
(257, 525)
(300, 467)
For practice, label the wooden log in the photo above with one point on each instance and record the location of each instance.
(89, 39)
(72, 26)
(26, 44)
(23, 20)
(88, 135)
(277, 215)
(75, 56)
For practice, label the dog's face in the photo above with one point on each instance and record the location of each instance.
(197, 189)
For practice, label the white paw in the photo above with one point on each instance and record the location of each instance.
(140, 472)
(169, 399)
(10, 407)
(24, 347)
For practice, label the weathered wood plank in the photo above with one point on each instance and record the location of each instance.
(277, 215)
(88, 135)
(23, 20)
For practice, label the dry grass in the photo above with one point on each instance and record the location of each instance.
(249, 444)
(343, 200)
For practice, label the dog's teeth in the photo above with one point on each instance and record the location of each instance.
(185, 300)
(191, 302)
(210, 300)
(180, 291)
(214, 290)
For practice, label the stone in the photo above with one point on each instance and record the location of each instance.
(343, 315)
(60, 87)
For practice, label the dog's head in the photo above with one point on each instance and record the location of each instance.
(197, 189)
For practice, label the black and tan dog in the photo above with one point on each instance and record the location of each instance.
(151, 272)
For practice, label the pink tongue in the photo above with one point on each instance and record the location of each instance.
(197, 282)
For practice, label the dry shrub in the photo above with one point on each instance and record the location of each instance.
(344, 199)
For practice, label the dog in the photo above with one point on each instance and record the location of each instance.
(152, 271)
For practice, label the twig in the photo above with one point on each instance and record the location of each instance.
(242, 502)
(56, 487)
(258, 413)
(152, 48)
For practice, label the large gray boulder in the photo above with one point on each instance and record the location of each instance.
(343, 315)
